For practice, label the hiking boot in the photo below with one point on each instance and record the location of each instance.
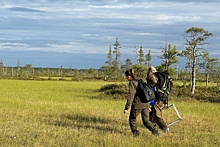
(135, 133)
(155, 133)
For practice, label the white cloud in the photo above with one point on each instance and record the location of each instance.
(12, 45)
(91, 26)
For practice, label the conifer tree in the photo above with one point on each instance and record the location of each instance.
(169, 56)
(148, 58)
(117, 54)
(208, 64)
(141, 56)
(195, 38)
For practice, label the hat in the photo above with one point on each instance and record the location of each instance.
(152, 69)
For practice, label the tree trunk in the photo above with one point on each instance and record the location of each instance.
(207, 80)
(193, 84)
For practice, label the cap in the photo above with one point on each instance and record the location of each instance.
(152, 69)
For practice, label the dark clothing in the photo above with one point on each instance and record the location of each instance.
(156, 114)
(145, 119)
(133, 100)
(137, 107)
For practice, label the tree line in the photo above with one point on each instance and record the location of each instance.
(198, 59)
(199, 65)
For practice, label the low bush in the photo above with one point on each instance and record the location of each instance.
(119, 91)
(114, 91)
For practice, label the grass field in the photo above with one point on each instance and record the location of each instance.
(67, 113)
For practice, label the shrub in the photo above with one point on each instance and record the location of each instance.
(119, 91)
(201, 93)
(115, 91)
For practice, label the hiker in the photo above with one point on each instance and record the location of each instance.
(156, 112)
(137, 107)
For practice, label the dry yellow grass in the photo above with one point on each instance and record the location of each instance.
(66, 113)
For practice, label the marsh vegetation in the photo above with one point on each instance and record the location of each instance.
(68, 113)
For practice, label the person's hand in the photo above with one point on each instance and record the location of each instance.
(166, 106)
(125, 111)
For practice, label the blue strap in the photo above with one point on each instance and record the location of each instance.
(152, 102)
(152, 88)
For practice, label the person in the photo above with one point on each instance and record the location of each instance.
(156, 112)
(137, 107)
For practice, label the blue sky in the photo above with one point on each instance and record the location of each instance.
(78, 33)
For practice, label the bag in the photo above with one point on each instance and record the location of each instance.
(145, 92)
(163, 86)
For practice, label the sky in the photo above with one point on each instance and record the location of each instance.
(77, 33)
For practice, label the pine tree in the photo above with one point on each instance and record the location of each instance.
(208, 65)
(169, 56)
(109, 56)
(195, 37)
(148, 58)
(128, 63)
(117, 54)
(141, 56)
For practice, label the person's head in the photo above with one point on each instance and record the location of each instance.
(151, 70)
(130, 74)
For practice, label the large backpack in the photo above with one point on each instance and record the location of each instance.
(145, 92)
(163, 86)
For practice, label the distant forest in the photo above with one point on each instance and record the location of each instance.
(199, 65)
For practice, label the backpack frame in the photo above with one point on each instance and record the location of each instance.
(163, 86)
